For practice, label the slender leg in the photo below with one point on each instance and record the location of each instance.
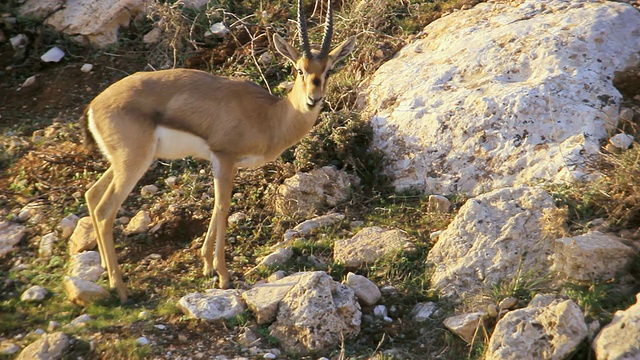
(92, 197)
(224, 172)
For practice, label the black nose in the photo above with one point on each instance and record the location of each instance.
(313, 102)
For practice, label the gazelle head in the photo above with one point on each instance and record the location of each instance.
(313, 66)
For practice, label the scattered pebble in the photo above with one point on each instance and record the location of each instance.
(31, 80)
(55, 54)
(86, 68)
(34, 294)
(142, 341)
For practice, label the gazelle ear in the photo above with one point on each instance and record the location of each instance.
(342, 50)
(286, 49)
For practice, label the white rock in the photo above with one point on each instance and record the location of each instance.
(280, 256)
(49, 346)
(67, 225)
(31, 80)
(269, 356)
(423, 311)
(550, 332)
(148, 190)
(236, 218)
(78, 17)
(171, 181)
(214, 304)
(80, 320)
(380, 311)
(621, 141)
(34, 294)
(492, 237)
(316, 314)
(263, 299)
(55, 54)
(8, 348)
(139, 223)
(370, 244)
(467, 326)
(85, 68)
(218, 30)
(25, 213)
(18, 41)
(10, 235)
(142, 341)
(439, 204)
(366, 291)
(152, 36)
(304, 193)
(83, 292)
(503, 102)
(592, 256)
(619, 339)
(45, 247)
(86, 266)
(83, 237)
(309, 226)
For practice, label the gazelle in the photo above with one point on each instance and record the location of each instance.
(172, 114)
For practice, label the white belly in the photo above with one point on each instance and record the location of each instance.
(175, 144)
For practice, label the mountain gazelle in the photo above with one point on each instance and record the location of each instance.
(171, 114)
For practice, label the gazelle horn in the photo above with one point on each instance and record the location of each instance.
(328, 31)
(304, 37)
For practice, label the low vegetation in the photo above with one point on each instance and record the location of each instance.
(50, 169)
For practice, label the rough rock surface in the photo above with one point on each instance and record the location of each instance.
(467, 326)
(10, 235)
(592, 256)
(304, 193)
(78, 17)
(48, 347)
(502, 94)
(83, 237)
(370, 244)
(366, 291)
(551, 331)
(316, 315)
(619, 340)
(139, 223)
(83, 292)
(34, 293)
(214, 304)
(86, 266)
(493, 237)
(263, 299)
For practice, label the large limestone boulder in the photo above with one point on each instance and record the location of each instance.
(502, 94)
(49, 346)
(619, 340)
(10, 235)
(493, 237)
(370, 244)
(542, 330)
(594, 256)
(96, 20)
(316, 314)
(304, 193)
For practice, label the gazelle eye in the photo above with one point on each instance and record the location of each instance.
(299, 72)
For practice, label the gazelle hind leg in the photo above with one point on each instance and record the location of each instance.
(123, 181)
(93, 197)
(224, 172)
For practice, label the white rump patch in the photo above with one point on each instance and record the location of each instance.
(175, 144)
(91, 124)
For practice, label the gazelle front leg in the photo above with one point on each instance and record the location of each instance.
(223, 173)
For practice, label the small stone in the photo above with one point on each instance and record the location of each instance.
(148, 190)
(53, 326)
(265, 58)
(142, 341)
(46, 245)
(215, 304)
(139, 224)
(55, 54)
(18, 41)
(144, 314)
(218, 30)
(280, 274)
(269, 356)
(25, 213)
(152, 36)
(621, 141)
(366, 291)
(280, 256)
(34, 294)
(160, 327)
(8, 348)
(465, 325)
(626, 114)
(492, 310)
(10, 235)
(81, 320)
(171, 181)
(85, 68)
(380, 311)
(67, 225)
(439, 204)
(236, 218)
(182, 338)
(507, 303)
(83, 236)
(49, 346)
(83, 292)
(31, 80)
(422, 311)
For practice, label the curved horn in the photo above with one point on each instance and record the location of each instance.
(328, 31)
(302, 29)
